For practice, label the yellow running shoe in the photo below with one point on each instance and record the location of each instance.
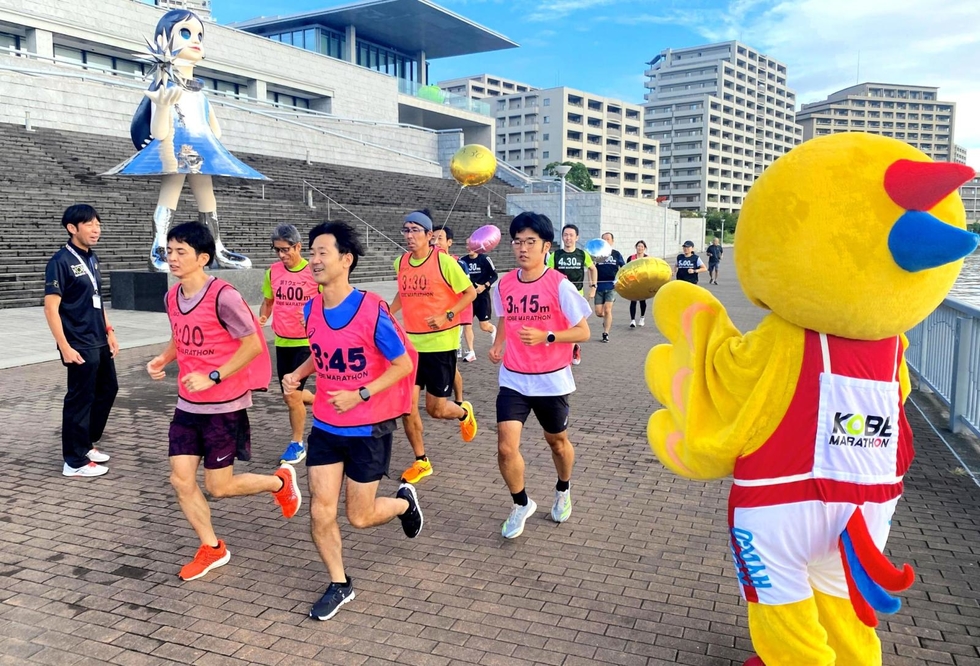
(467, 427)
(418, 471)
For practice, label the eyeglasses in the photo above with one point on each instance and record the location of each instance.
(282, 250)
(409, 231)
(526, 242)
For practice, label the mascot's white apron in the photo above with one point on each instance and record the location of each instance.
(852, 460)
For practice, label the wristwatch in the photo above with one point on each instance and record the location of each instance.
(215, 376)
(364, 393)
(551, 337)
(449, 315)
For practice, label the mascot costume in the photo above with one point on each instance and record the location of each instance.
(178, 136)
(849, 241)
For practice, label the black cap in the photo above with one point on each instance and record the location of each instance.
(688, 243)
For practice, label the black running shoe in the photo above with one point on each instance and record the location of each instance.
(337, 595)
(411, 519)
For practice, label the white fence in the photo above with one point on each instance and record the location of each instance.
(944, 353)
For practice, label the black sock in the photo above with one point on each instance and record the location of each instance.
(561, 486)
(423, 458)
(465, 413)
(520, 498)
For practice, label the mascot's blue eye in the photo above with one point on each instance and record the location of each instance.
(200, 36)
(185, 33)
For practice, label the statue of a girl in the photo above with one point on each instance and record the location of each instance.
(177, 135)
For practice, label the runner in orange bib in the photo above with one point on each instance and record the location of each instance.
(433, 290)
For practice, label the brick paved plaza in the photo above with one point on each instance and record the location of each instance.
(639, 575)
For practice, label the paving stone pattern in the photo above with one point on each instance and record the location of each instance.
(640, 574)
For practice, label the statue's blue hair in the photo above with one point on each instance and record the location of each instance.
(139, 129)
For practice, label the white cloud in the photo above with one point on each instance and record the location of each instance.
(551, 10)
(895, 41)
(822, 41)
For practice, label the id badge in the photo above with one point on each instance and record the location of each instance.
(97, 302)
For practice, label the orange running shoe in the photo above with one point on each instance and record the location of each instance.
(207, 558)
(418, 471)
(288, 496)
(467, 427)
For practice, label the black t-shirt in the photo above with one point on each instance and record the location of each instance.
(65, 276)
(714, 253)
(480, 269)
(683, 263)
(608, 268)
(571, 264)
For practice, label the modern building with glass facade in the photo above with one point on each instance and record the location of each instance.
(395, 37)
(912, 114)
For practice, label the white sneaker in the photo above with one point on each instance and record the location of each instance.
(459, 353)
(643, 320)
(513, 527)
(470, 356)
(97, 456)
(90, 469)
(633, 323)
(562, 508)
(493, 334)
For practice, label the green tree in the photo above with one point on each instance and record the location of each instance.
(974, 227)
(578, 176)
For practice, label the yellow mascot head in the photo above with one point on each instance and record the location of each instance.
(854, 235)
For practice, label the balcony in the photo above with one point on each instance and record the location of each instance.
(436, 95)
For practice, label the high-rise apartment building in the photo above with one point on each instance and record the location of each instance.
(970, 193)
(484, 85)
(913, 114)
(561, 124)
(722, 113)
(959, 154)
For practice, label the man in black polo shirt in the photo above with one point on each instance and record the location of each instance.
(76, 316)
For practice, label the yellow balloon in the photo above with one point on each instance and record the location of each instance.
(640, 279)
(473, 165)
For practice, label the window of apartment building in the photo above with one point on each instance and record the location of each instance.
(546, 102)
(573, 153)
(501, 105)
(546, 120)
(545, 154)
(530, 136)
(575, 100)
(572, 135)
(501, 155)
(545, 137)
(9, 41)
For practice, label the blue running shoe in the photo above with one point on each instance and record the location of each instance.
(294, 453)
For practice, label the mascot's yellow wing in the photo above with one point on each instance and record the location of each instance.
(723, 392)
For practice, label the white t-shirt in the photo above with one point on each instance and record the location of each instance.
(575, 308)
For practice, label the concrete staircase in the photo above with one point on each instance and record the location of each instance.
(43, 172)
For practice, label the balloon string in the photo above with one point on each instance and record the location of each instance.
(461, 188)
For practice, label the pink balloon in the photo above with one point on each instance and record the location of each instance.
(484, 239)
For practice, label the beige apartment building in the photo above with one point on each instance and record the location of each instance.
(563, 124)
(970, 193)
(913, 114)
(722, 113)
(959, 154)
(484, 85)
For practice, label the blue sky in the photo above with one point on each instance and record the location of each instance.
(601, 46)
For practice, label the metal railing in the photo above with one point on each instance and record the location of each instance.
(308, 200)
(437, 95)
(944, 354)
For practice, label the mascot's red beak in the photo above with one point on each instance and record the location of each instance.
(922, 185)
